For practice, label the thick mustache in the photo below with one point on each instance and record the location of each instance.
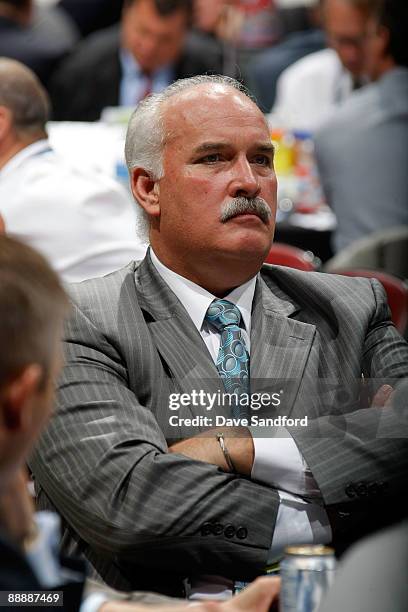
(242, 206)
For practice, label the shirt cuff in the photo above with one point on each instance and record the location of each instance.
(93, 602)
(298, 522)
(279, 463)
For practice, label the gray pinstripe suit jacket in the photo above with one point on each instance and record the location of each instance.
(146, 518)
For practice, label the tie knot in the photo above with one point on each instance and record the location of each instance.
(222, 313)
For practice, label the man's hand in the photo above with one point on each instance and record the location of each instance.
(205, 447)
(258, 597)
(383, 397)
(17, 510)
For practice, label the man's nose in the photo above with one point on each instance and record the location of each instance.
(245, 181)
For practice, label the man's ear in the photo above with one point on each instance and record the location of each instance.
(16, 398)
(6, 121)
(384, 40)
(146, 191)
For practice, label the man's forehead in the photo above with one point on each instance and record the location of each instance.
(209, 105)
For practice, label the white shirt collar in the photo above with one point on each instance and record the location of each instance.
(196, 300)
(41, 146)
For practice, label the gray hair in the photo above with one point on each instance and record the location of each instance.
(22, 93)
(145, 138)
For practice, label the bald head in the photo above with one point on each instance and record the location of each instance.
(190, 106)
(22, 94)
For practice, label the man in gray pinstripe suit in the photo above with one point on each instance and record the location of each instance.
(201, 167)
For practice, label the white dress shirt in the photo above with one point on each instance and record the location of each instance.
(277, 460)
(82, 221)
(308, 91)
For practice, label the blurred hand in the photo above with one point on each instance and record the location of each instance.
(17, 510)
(258, 597)
(383, 397)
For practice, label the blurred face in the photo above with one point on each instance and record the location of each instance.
(346, 29)
(218, 154)
(207, 13)
(35, 407)
(154, 40)
(376, 54)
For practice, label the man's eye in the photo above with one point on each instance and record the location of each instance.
(211, 159)
(262, 160)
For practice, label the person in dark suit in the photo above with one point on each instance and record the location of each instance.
(38, 37)
(118, 66)
(149, 482)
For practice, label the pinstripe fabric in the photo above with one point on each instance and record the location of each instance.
(136, 511)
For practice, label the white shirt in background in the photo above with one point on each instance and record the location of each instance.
(309, 90)
(83, 221)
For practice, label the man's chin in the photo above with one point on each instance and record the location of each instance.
(248, 248)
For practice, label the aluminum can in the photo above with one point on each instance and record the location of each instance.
(306, 572)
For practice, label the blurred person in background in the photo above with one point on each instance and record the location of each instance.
(119, 66)
(210, 17)
(39, 37)
(362, 151)
(82, 221)
(33, 306)
(263, 72)
(309, 90)
(92, 15)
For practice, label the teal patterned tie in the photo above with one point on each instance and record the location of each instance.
(233, 359)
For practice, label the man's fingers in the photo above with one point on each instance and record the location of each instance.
(383, 397)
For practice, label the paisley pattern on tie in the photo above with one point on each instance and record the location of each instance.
(233, 359)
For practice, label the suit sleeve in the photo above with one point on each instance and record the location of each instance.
(103, 463)
(360, 459)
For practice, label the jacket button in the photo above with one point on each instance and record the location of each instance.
(206, 529)
(217, 529)
(382, 486)
(242, 533)
(229, 531)
(361, 489)
(350, 491)
(373, 488)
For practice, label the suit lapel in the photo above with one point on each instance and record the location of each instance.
(180, 345)
(280, 345)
